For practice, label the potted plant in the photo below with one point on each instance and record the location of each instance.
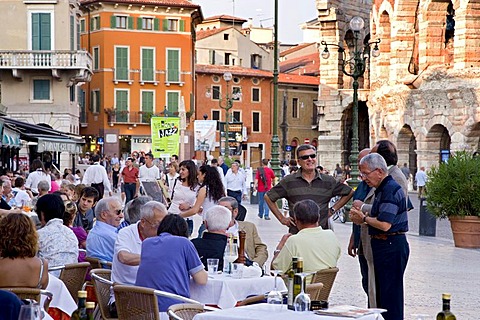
(453, 189)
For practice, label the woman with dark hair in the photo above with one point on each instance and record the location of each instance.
(68, 218)
(184, 190)
(19, 264)
(211, 190)
(168, 260)
(57, 243)
(38, 174)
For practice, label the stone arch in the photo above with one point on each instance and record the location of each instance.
(406, 148)
(347, 130)
(438, 142)
(467, 15)
(385, 33)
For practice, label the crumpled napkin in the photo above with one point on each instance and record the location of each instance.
(253, 271)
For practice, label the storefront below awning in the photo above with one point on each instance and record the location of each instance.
(11, 139)
(59, 145)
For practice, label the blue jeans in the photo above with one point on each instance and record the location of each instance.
(263, 210)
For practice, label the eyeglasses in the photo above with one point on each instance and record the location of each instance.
(118, 211)
(154, 225)
(364, 175)
(311, 156)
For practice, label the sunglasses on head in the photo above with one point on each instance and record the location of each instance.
(305, 157)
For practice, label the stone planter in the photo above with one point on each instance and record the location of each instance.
(466, 231)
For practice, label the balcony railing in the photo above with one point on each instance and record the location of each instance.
(121, 116)
(56, 59)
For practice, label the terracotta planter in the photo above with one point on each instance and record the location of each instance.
(466, 231)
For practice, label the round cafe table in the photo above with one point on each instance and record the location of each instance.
(225, 291)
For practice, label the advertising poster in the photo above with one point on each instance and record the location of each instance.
(165, 136)
(205, 135)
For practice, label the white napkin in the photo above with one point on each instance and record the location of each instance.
(253, 271)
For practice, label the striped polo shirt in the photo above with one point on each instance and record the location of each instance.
(295, 188)
(390, 206)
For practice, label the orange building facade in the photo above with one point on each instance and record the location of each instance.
(143, 63)
(253, 107)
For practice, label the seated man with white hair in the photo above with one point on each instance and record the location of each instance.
(213, 241)
(128, 246)
(101, 239)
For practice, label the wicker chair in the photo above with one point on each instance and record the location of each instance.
(96, 263)
(102, 283)
(185, 311)
(327, 278)
(73, 276)
(314, 290)
(31, 293)
(134, 302)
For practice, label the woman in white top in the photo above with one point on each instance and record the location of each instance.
(184, 190)
(38, 174)
(211, 190)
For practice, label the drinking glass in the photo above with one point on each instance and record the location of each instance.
(212, 265)
(302, 300)
(231, 254)
(30, 312)
(275, 296)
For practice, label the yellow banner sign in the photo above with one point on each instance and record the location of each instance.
(165, 136)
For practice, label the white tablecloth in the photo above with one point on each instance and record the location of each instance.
(61, 297)
(265, 311)
(225, 291)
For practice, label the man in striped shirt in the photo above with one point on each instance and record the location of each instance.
(307, 183)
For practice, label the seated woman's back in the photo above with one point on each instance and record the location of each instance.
(19, 265)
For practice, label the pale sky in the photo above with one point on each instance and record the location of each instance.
(291, 13)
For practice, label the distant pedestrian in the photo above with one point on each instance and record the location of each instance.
(130, 180)
(97, 177)
(421, 179)
(406, 171)
(264, 179)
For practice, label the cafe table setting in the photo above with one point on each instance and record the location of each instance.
(62, 299)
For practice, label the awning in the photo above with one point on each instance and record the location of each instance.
(11, 138)
(58, 145)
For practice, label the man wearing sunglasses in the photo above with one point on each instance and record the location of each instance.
(101, 239)
(307, 183)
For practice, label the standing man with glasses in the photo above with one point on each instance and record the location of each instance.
(307, 183)
(101, 239)
(387, 227)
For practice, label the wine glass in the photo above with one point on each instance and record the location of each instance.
(302, 300)
(275, 296)
(30, 312)
(231, 254)
(377, 311)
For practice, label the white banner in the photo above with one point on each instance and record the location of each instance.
(205, 131)
(141, 143)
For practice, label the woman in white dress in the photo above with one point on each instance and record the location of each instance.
(38, 174)
(211, 190)
(184, 190)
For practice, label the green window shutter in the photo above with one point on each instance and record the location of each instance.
(98, 23)
(41, 90)
(72, 33)
(173, 72)
(147, 101)
(122, 106)
(97, 101)
(78, 37)
(182, 25)
(113, 22)
(130, 23)
(41, 37)
(172, 102)
(147, 65)
(121, 66)
(91, 101)
(156, 24)
(92, 24)
(165, 25)
(139, 23)
(36, 31)
(82, 25)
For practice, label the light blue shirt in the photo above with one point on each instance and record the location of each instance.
(101, 241)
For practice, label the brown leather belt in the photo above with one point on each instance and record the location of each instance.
(384, 236)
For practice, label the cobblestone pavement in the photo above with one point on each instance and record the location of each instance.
(435, 266)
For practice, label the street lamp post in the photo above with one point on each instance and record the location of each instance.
(229, 97)
(275, 162)
(355, 68)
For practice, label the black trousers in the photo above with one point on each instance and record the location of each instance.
(235, 194)
(390, 259)
(100, 188)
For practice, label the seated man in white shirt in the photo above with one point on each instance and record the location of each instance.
(320, 249)
(128, 246)
(22, 197)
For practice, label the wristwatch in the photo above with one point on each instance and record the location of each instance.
(276, 251)
(365, 220)
(332, 210)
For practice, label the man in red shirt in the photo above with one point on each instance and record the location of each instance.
(130, 180)
(263, 182)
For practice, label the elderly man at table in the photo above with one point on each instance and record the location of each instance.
(212, 243)
(101, 239)
(128, 246)
(387, 225)
(255, 249)
(131, 212)
(320, 249)
(56, 242)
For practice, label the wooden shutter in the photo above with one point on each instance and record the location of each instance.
(172, 102)
(173, 66)
(113, 22)
(156, 24)
(121, 66)
(165, 25)
(130, 23)
(139, 23)
(97, 20)
(182, 25)
(147, 101)
(147, 65)
(41, 37)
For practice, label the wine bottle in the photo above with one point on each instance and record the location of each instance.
(290, 277)
(90, 310)
(446, 314)
(297, 280)
(81, 312)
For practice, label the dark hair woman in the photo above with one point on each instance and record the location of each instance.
(184, 190)
(211, 190)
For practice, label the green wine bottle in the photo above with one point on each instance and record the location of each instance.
(290, 277)
(81, 312)
(446, 314)
(90, 309)
(297, 280)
